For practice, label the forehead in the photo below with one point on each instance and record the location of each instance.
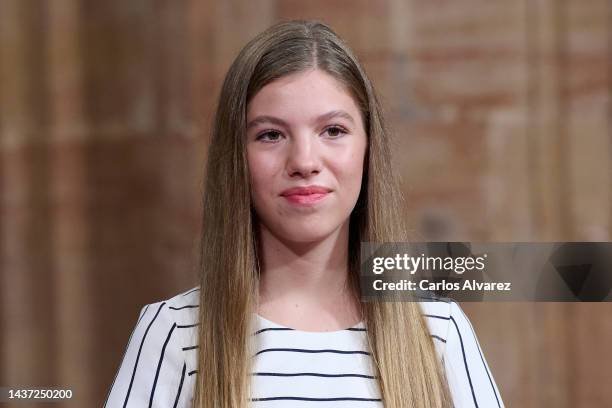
(303, 94)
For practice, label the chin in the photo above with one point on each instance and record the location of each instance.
(305, 235)
(308, 232)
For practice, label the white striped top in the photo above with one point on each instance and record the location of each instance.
(291, 367)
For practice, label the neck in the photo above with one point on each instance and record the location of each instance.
(302, 279)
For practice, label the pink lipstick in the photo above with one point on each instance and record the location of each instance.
(306, 195)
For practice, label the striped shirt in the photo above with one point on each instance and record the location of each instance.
(291, 367)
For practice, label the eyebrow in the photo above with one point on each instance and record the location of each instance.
(326, 116)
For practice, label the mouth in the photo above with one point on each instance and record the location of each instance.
(307, 195)
(305, 199)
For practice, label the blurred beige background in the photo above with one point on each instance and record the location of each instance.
(501, 114)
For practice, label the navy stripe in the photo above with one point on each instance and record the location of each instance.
(438, 338)
(178, 392)
(184, 307)
(138, 355)
(190, 347)
(482, 359)
(433, 299)
(159, 364)
(313, 399)
(186, 326)
(191, 291)
(193, 372)
(465, 362)
(271, 329)
(143, 313)
(437, 317)
(294, 350)
(290, 329)
(266, 374)
(125, 352)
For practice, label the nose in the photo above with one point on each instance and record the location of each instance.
(303, 157)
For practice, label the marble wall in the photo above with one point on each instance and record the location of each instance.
(501, 115)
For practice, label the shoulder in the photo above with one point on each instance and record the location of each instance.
(443, 315)
(469, 376)
(178, 314)
(436, 308)
(180, 308)
(159, 363)
(185, 303)
(437, 313)
(189, 297)
(178, 311)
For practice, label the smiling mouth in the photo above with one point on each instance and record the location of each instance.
(305, 199)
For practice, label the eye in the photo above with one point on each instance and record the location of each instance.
(270, 136)
(335, 131)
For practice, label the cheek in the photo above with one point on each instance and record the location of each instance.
(355, 174)
(353, 167)
(261, 171)
(348, 169)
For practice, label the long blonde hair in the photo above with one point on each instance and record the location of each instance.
(402, 350)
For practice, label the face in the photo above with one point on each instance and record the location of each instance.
(306, 146)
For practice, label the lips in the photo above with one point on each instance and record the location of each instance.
(305, 196)
(304, 191)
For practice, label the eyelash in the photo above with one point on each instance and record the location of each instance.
(267, 132)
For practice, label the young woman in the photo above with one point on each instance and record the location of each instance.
(298, 175)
